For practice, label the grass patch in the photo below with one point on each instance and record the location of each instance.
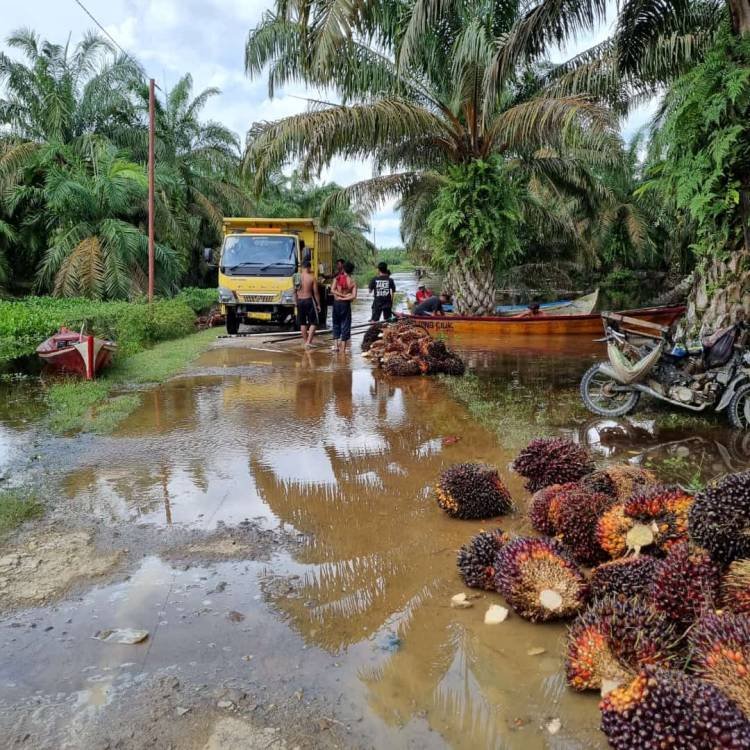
(162, 361)
(96, 406)
(17, 507)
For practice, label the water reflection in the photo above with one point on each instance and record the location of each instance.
(347, 457)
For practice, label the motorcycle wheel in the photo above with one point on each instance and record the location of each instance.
(738, 410)
(599, 397)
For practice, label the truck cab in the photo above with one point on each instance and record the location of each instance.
(259, 267)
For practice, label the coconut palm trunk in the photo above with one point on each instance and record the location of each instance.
(472, 285)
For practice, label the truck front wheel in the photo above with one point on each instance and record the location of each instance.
(233, 322)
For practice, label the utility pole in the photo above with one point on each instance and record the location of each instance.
(151, 136)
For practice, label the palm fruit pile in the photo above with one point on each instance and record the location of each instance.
(472, 491)
(624, 577)
(686, 583)
(720, 646)
(404, 348)
(666, 635)
(720, 517)
(735, 588)
(663, 708)
(539, 580)
(620, 481)
(476, 559)
(653, 519)
(547, 461)
(613, 639)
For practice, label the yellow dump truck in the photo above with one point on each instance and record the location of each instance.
(260, 263)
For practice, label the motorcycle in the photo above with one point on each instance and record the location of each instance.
(716, 376)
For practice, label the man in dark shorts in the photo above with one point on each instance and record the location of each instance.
(344, 291)
(308, 304)
(432, 305)
(383, 288)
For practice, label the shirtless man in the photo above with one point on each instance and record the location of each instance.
(307, 302)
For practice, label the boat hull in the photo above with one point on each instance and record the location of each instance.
(78, 354)
(542, 325)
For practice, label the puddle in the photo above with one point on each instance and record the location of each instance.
(360, 611)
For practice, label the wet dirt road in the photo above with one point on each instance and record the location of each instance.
(277, 537)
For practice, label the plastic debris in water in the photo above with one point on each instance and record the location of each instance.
(124, 636)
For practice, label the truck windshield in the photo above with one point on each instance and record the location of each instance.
(256, 255)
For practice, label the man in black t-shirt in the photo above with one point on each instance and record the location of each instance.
(383, 288)
(432, 305)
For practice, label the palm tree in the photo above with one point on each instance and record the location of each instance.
(448, 100)
(696, 54)
(96, 249)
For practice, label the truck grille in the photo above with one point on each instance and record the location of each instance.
(258, 298)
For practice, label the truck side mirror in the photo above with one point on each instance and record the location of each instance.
(208, 255)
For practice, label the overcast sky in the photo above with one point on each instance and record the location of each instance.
(205, 38)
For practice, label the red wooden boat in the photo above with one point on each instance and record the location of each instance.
(568, 325)
(79, 353)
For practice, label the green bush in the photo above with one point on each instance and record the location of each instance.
(199, 300)
(26, 322)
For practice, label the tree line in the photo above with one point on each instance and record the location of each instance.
(508, 166)
(73, 179)
(508, 169)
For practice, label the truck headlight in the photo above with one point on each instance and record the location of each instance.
(226, 295)
(287, 297)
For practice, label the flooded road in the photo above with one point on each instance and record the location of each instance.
(351, 619)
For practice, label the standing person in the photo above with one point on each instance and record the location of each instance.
(308, 303)
(383, 289)
(344, 291)
(432, 305)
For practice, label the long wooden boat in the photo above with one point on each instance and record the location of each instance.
(540, 325)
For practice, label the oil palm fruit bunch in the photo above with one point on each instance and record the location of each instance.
(541, 502)
(686, 583)
(547, 461)
(735, 588)
(476, 559)
(720, 516)
(665, 509)
(620, 481)
(473, 491)
(613, 639)
(372, 334)
(612, 530)
(400, 366)
(663, 708)
(625, 577)
(653, 519)
(539, 580)
(720, 645)
(576, 518)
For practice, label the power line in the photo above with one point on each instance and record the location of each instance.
(111, 38)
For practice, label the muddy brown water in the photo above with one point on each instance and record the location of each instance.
(359, 611)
